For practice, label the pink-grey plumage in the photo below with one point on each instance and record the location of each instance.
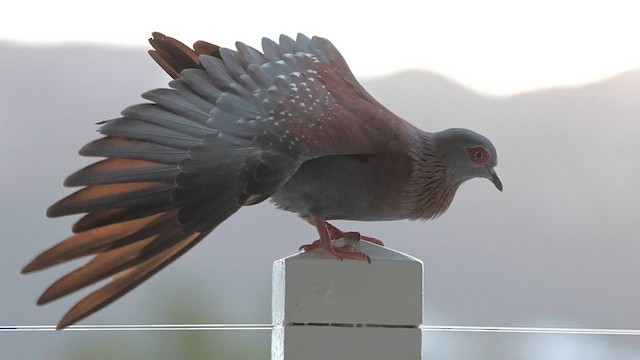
(290, 123)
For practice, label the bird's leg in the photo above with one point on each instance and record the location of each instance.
(325, 242)
(335, 234)
(339, 234)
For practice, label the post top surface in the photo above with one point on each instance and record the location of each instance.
(375, 252)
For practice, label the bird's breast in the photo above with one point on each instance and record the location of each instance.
(349, 187)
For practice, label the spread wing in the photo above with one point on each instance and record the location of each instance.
(231, 130)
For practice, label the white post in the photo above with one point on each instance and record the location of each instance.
(323, 308)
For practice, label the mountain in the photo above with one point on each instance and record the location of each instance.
(558, 248)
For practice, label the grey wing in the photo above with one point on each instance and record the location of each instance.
(314, 102)
(166, 182)
(233, 128)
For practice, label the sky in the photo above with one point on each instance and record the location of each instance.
(492, 46)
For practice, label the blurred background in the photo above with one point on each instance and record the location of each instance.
(554, 84)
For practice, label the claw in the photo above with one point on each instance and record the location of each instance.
(309, 247)
(372, 240)
(328, 233)
(338, 234)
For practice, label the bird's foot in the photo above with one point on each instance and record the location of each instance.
(328, 233)
(347, 251)
(371, 240)
(335, 233)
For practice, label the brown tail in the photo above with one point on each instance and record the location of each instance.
(139, 217)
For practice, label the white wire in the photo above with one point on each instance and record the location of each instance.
(532, 330)
(256, 327)
(159, 327)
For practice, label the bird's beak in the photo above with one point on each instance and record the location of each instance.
(494, 178)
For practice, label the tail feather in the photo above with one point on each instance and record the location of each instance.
(250, 55)
(182, 103)
(112, 196)
(174, 56)
(217, 209)
(127, 280)
(100, 267)
(117, 147)
(102, 218)
(111, 262)
(218, 72)
(140, 130)
(93, 241)
(117, 170)
(199, 82)
(189, 121)
(206, 48)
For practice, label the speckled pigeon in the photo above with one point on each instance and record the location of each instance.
(236, 127)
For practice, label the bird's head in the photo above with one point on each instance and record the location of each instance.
(467, 155)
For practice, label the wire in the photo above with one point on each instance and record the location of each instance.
(259, 327)
(532, 330)
(168, 327)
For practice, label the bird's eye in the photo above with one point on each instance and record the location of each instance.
(479, 155)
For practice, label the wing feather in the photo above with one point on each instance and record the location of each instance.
(232, 129)
(127, 280)
(118, 170)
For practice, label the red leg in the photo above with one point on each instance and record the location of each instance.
(338, 234)
(325, 230)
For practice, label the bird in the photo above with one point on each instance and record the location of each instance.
(236, 127)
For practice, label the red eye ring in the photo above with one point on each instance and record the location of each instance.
(479, 155)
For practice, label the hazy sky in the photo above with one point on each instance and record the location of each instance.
(493, 46)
